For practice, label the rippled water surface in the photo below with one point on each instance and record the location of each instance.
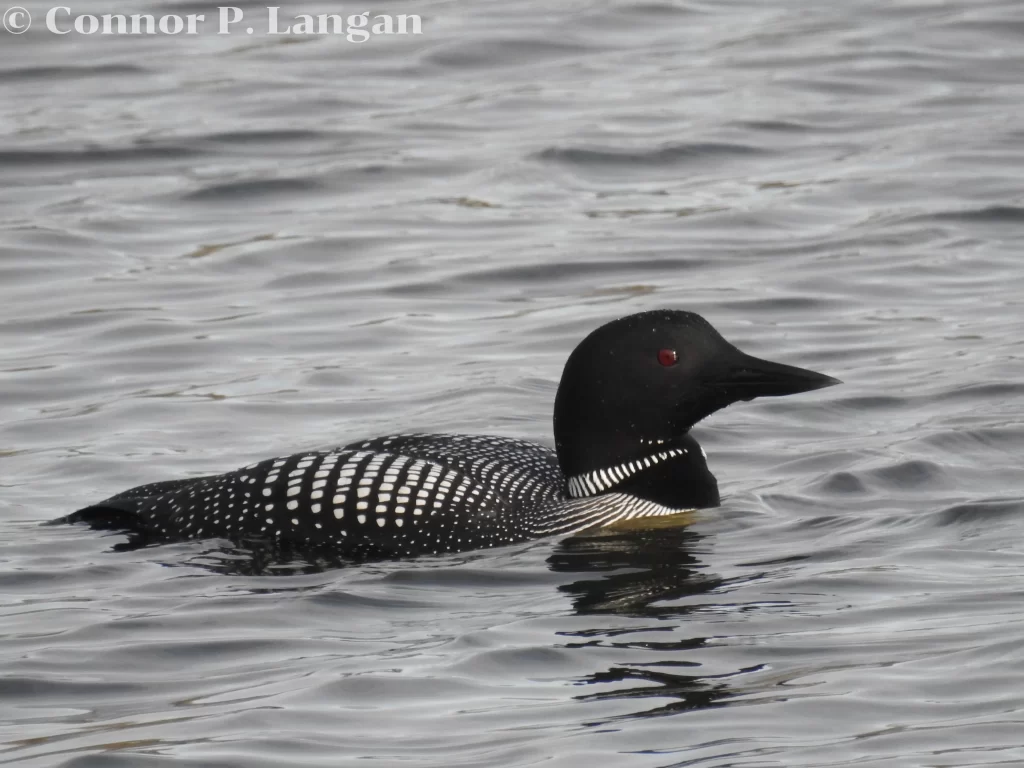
(215, 249)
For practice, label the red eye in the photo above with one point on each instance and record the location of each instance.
(667, 357)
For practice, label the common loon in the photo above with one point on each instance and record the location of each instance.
(628, 396)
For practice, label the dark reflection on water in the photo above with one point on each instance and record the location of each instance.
(630, 572)
(637, 568)
(250, 558)
(690, 692)
(260, 559)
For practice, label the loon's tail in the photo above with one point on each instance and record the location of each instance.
(123, 511)
(112, 514)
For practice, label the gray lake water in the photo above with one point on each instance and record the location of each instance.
(215, 249)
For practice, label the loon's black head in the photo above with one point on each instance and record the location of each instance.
(645, 379)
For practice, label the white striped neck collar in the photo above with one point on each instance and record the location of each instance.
(601, 480)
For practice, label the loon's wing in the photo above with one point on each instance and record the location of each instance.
(486, 458)
(363, 503)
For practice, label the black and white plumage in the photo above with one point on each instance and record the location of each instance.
(628, 396)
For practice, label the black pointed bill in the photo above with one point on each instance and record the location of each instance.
(748, 377)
